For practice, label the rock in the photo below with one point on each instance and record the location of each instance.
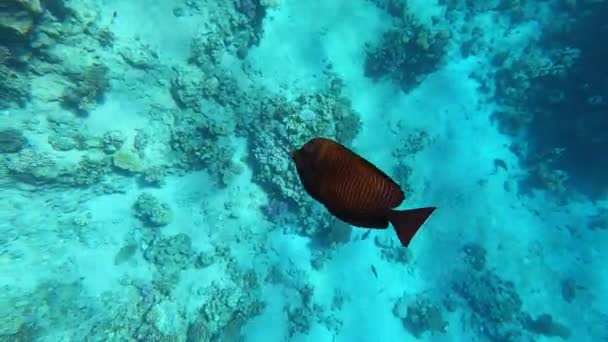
(11, 140)
(17, 17)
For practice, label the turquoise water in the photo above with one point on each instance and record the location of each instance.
(146, 190)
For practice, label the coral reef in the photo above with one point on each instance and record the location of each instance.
(191, 85)
(31, 167)
(112, 141)
(420, 315)
(87, 90)
(14, 86)
(545, 325)
(129, 317)
(57, 304)
(474, 256)
(170, 255)
(498, 308)
(202, 142)
(538, 98)
(490, 296)
(337, 233)
(396, 8)
(11, 140)
(216, 104)
(392, 251)
(599, 221)
(18, 18)
(62, 143)
(238, 25)
(223, 317)
(127, 160)
(306, 312)
(154, 176)
(495, 303)
(151, 211)
(407, 53)
(284, 125)
(137, 54)
(90, 170)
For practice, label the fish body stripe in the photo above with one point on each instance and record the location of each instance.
(354, 193)
(350, 183)
(363, 193)
(387, 194)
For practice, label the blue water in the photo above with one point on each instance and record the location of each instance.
(146, 192)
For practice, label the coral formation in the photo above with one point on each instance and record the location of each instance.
(171, 254)
(474, 256)
(498, 308)
(11, 140)
(337, 233)
(90, 170)
(420, 315)
(151, 211)
(284, 125)
(14, 86)
(127, 160)
(546, 326)
(190, 86)
(87, 90)
(599, 221)
(18, 17)
(62, 143)
(154, 175)
(198, 331)
(538, 98)
(407, 54)
(229, 310)
(201, 141)
(396, 8)
(490, 296)
(392, 251)
(136, 54)
(112, 141)
(31, 167)
(60, 304)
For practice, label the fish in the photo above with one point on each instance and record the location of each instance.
(354, 190)
(365, 235)
(374, 271)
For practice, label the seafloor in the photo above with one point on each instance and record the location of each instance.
(146, 192)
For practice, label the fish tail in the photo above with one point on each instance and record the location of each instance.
(407, 222)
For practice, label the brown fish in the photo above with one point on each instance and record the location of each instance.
(354, 190)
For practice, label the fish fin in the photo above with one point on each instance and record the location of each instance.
(407, 222)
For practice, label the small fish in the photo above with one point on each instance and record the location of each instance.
(365, 235)
(374, 272)
(354, 190)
